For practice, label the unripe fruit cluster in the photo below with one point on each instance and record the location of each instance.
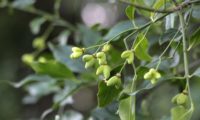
(152, 75)
(103, 67)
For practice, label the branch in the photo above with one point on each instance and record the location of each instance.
(174, 9)
(48, 16)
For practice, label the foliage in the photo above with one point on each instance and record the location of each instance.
(129, 75)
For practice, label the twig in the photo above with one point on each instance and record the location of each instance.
(174, 9)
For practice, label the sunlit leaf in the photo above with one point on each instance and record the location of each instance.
(141, 48)
(52, 68)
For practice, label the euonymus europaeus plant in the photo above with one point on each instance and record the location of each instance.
(129, 62)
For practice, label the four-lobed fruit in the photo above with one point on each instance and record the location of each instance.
(76, 52)
(128, 55)
(180, 99)
(114, 81)
(89, 60)
(101, 56)
(152, 75)
(105, 70)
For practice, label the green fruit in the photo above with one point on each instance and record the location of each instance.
(102, 61)
(174, 99)
(99, 70)
(77, 49)
(90, 63)
(101, 56)
(27, 58)
(39, 43)
(76, 52)
(181, 99)
(114, 81)
(106, 48)
(75, 55)
(152, 75)
(87, 58)
(147, 76)
(106, 71)
(153, 81)
(130, 58)
(128, 55)
(42, 60)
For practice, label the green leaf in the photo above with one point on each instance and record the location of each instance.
(179, 113)
(36, 23)
(195, 12)
(52, 68)
(88, 36)
(125, 109)
(106, 94)
(22, 3)
(195, 39)
(157, 5)
(143, 12)
(32, 78)
(62, 54)
(64, 96)
(63, 37)
(119, 29)
(130, 12)
(168, 35)
(197, 72)
(141, 48)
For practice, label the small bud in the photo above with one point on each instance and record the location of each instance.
(27, 58)
(39, 43)
(42, 60)
(128, 55)
(106, 48)
(106, 71)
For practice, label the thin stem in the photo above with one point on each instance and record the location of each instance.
(133, 88)
(57, 8)
(160, 57)
(185, 55)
